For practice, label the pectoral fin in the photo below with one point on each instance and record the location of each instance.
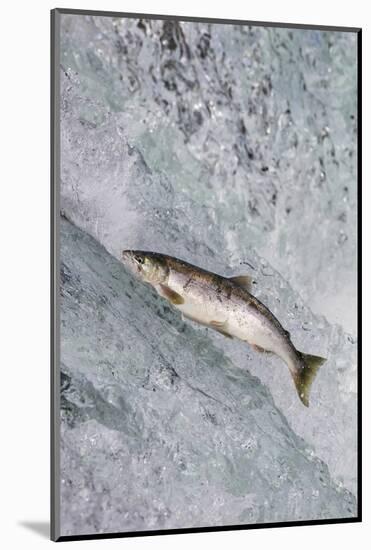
(221, 327)
(244, 281)
(171, 295)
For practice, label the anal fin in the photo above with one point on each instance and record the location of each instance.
(259, 349)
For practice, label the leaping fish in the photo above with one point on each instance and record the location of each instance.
(226, 305)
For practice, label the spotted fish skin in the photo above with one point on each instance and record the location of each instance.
(226, 305)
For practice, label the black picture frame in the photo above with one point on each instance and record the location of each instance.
(55, 280)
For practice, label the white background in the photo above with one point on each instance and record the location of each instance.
(24, 272)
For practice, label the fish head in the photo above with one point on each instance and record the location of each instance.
(149, 267)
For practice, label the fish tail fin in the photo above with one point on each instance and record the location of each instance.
(305, 374)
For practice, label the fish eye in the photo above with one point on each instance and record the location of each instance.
(138, 259)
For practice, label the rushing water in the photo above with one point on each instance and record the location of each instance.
(233, 148)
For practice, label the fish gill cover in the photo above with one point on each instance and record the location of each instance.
(233, 148)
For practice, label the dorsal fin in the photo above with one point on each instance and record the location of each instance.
(244, 281)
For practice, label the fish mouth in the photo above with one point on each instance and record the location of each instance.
(127, 258)
(127, 255)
